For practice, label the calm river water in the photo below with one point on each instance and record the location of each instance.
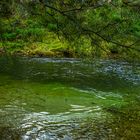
(69, 99)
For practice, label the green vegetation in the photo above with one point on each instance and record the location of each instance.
(69, 98)
(71, 28)
(28, 38)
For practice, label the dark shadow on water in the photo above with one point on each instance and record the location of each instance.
(8, 133)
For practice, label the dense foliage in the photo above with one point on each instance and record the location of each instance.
(95, 27)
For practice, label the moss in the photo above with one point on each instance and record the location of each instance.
(28, 37)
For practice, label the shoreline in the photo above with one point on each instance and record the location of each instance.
(62, 56)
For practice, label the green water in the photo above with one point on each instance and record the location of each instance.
(52, 99)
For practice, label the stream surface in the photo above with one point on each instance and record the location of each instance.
(69, 99)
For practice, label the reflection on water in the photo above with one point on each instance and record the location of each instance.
(52, 99)
(47, 126)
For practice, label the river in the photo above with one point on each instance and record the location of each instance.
(69, 99)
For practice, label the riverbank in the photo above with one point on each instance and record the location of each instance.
(29, 38)
(65, 53)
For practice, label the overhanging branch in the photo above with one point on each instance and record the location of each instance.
(88, 31)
